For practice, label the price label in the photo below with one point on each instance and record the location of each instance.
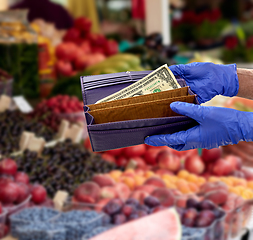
(22, 104)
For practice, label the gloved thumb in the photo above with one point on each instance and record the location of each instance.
(188, 109)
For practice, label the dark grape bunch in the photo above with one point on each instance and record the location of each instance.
(12, 124)
(62, 167)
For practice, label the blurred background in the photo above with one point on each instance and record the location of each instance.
(46, 46)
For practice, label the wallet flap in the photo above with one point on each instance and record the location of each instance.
(100, 89)
(144, 110)
(139, 99)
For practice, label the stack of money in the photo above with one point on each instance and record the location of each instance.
(162, 79)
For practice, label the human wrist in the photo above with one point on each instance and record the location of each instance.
(245, 78)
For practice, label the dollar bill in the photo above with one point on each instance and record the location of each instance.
(161, 79)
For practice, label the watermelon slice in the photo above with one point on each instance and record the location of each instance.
(164, 225)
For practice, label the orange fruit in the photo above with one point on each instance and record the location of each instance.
(183, 174)
(193, 187)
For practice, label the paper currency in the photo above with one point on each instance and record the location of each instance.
(161, 79)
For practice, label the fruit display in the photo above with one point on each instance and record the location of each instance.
(62, 167)
(204, 215)
(81, 48)
(116, 63)
(51, 111)
(12, 124)
(17, 193)
(46, 223)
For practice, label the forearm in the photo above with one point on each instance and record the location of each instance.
(245, 77)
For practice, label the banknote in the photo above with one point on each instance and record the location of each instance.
(161, 79)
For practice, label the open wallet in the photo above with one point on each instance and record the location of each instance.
(127, 122)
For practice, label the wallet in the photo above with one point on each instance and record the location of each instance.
(127, 122)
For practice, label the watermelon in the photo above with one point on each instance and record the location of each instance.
(163, 225)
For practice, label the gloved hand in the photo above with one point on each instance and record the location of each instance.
(208, 79)
(217, 127)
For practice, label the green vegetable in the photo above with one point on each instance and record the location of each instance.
(21, 61)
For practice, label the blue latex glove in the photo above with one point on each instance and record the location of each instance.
(217, 127)
(208, 79)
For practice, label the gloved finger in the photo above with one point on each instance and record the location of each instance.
(193, 111)
(177, 70)
(177, 141)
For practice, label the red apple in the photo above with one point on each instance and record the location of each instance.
(138, 162)
(83, 24)
(222, 167)
(72, 35)
(9, 193)
(88, 192)
(194, 164)
(135, 151)
(151, 154)
(169, 161)
(82, 61)
(111, 47)
(64, 68)
(211, 155)
(115, 152)
(121, 161)
(87, 144)
(39, 194)
(8, 166)
(24, 192)
(66, 51)
(97, 40)
(85, 46)
(107, 157)
(22, 177)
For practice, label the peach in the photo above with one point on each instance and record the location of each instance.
(129, 181)
(218, 197)
(139, 195)
(115, 174)
(155, 181)
(162, 172)
(165, 196)
(149, 174)
(146, 188)
(235, 162)
(183, 174)
(169, 161)
(181, 201)
(169, 184)
(222, 167)
(139, 180)
(103, 180)
(88, 192)
(213, 186)
(176, 192)
(108, 192)
(194, 164)
(123, 191)
(139, 172)
(128, 174)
